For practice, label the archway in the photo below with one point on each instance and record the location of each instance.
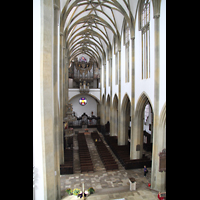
(108, 109)
(125, 121)
(147, 129)
(137, 138)
(103, 113)
(115, 116)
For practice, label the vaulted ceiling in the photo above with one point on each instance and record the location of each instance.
(90, 25)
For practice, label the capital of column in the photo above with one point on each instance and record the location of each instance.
(133, 38)
(156, 16)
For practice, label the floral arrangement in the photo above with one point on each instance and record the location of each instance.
(69, 190)
(76, 191)
(91, 190)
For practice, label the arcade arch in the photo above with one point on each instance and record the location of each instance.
(137, 138)
(125, 120)
(108, 109)
(115, 116)
(103, 108)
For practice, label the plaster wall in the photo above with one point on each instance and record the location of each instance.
(88, 108)
(144, 85)
(114, 86)
(37, 133)
(94, 92)
(107, 79)
(162, 55)
(125, 86)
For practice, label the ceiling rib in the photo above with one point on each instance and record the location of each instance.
(89, 28)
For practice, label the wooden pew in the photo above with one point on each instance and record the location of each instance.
(104, 153)
(84, 154)
(122, 153)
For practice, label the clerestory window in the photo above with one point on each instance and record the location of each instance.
(145, 19)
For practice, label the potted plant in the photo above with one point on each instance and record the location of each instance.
(91, 190)
(76, 191)
(69, 191)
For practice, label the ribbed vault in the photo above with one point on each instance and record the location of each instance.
(89, 26)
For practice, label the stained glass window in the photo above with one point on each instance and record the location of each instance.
(82, 59)
(83, 101)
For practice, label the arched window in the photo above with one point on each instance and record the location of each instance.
(145, 19)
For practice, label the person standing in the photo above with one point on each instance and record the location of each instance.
(145, 170)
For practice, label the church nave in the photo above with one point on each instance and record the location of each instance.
(111, 184)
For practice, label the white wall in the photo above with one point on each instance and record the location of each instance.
(125, 86)
(37, 133)
(141, 85)
(144, 85)
(114, 86)
(107, 79)
(162, 55)
(94, 92)
(88, 108)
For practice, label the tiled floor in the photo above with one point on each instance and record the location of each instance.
(107, 185)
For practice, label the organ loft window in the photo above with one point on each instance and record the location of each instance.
(127, 35)
(145, 18)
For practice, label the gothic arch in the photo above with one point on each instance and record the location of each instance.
(103, 99)
(137, 137)
(115, 102)
(108, 109)
(124, 120)
(115, 116)
(103, 113)
(80, 94)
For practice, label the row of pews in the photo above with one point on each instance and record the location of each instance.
(105, 155)
(86, 164)
(67, 167)
(122, 152)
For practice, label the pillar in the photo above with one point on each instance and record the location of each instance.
(61, 96)
(56, 99)
(111, 102)
(132, 147)
(156, 176)
(119, 100)
(44, 145)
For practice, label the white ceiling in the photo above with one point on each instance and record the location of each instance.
(90, 25)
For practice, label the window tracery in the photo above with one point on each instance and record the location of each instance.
(145, 20)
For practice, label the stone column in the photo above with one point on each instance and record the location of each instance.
(49, 155)
(101, 87)
(67, 80)
(104, 65)
(111, 103)
(61, 95)
(64, 76)
(104, 106)
(132, 148)
(119, 100)
(156, 176)
(56, 102)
